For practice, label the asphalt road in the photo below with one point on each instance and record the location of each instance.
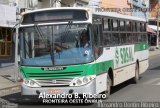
(147, 90)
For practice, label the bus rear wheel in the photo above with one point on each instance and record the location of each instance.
(136, 77)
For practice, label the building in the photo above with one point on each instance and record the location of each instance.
(140, 8)
(154, 16)
(154, 12)
(128, 7)
(75, 3)
(38, 4)
(7, 22)
(123, 4)
(154, 9)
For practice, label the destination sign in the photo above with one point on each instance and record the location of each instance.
(54, 16)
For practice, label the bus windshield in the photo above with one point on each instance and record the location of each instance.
(51, 45)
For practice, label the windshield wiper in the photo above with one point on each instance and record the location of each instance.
(40, 33)
(67, 28)
(66, 31)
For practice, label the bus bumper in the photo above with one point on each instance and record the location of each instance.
(88, 88)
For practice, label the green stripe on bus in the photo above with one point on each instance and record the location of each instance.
(103, 67)
(141, 47)
(68, 72)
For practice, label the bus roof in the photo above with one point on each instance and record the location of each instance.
(120, 16)
(58, 8)
(109, 14)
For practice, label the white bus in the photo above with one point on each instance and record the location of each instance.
(54, 58)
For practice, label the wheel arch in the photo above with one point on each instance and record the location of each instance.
(137, 62)
(110, 73)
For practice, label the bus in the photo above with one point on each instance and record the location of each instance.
(53, 60)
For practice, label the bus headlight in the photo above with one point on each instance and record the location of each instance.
(85, 79)
(79, 81)
(26, 82)
(30, 83)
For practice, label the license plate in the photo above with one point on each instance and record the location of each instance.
(54, 91)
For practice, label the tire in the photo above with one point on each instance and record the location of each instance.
(136, 77)
(108, 86)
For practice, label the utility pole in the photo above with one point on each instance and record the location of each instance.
(16, 43)
(158, 25)
(16, 73)
(51, 3)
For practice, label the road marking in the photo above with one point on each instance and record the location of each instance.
(158, 83)
(152, 81)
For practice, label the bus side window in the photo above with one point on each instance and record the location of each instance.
(138, 26)
(96, 34)
(128, 26)
(97, 31)
(122, 25)
(134, 26)
(114, 25)
(106, 24)
(143, 27)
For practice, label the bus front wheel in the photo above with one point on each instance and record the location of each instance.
(136, 77)
(108, 86)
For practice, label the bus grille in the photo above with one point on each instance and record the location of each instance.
(53, 74)
(54, 82)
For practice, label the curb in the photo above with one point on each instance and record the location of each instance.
(10, 90)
